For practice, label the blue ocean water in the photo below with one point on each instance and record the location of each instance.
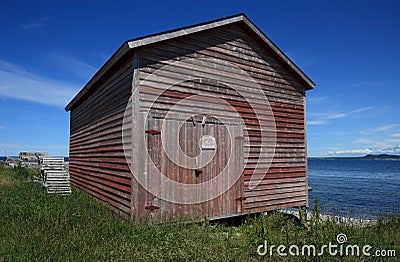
(356, 188)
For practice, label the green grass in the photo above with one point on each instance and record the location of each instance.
(39, 226)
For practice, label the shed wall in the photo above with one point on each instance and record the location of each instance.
(97, 160)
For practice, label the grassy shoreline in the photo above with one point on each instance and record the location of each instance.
(38, 226)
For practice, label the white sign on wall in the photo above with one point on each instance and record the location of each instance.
(208, 142)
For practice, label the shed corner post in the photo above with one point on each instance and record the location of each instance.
(305, 148)
(135, 134)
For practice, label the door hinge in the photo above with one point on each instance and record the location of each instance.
(153, 132)
(152, 208)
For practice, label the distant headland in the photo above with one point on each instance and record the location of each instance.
(366, 157)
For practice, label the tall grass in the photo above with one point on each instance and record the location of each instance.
(38, 226)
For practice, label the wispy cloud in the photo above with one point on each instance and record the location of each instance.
(71, 65)
(2, 127)
(395, 135)
(379, 143)
(16, 82)
(342, 133)
(298, 57)
(373, 142)
(336, 115)
(366, 83)
(378, 129)
(322, 118)
(362, 109)
(317, 99)
(29, 117)
(316, 122)
(35, 24)
(364, 141)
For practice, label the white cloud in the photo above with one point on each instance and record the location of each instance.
(336, 115)
(394, 141)
(316, 122)
(364, 141)
(327, 116)
(367, 84)
(16, 82)
(378, 129)
(395, 135)
(342, 133)
(321, 118)
(35, 24)
(71, 65)
(317, 99)
(365, 151)
(362, 109)
(373, 143)
(349, 152)
(29, 117)
(390, 150)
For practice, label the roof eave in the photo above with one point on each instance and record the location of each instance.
(110, 62)
(287, 60)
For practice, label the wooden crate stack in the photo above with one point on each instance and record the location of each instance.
(54, 176)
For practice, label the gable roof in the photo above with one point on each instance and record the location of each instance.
(154, 38)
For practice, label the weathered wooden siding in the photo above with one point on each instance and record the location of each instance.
(285, 183)
(97, 161)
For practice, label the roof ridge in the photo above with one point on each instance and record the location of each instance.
(188, 26)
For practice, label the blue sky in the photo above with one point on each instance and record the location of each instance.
(50, 49)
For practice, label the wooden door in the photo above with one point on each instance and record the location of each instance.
(206, 149)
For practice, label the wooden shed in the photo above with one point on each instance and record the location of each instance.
(202, 121)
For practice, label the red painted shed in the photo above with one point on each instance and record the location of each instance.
(202, 121)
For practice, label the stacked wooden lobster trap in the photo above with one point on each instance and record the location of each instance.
(54, 177)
